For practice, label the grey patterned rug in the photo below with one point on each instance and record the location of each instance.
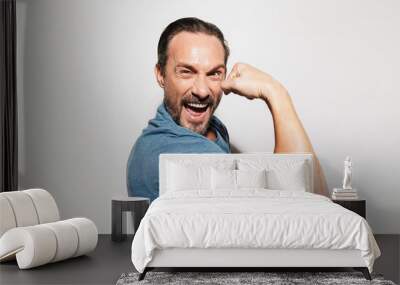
(230, 278)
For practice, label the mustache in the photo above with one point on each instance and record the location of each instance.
(193, 99)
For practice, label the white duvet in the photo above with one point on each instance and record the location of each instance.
(252, 218)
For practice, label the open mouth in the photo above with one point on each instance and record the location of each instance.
(196, 107)
(197, 112)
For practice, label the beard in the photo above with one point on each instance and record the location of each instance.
(175, 110)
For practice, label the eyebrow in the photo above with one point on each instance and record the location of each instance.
(192, 68)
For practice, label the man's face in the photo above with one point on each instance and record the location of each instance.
(192, 79)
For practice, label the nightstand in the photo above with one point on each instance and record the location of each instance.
(137, 205)
(357, 206)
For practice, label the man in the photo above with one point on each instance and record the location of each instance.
(191, 68)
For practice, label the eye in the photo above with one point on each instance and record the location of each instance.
(184, 71)
(216, 74)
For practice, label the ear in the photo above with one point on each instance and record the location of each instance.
(159, 76)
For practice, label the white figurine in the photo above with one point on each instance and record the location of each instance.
(347, 173)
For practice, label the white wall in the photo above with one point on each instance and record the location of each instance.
(87, 90)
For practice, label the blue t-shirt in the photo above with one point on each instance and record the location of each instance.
(164, 135)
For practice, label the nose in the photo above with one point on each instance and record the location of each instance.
(200, 88)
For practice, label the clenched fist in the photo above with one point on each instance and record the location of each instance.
(252, 83)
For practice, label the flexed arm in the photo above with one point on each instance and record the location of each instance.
(290, 135)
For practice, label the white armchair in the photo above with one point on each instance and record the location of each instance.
(32, 233)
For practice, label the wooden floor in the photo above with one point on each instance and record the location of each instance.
(111, 259)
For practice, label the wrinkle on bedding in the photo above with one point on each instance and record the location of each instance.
(250, 218)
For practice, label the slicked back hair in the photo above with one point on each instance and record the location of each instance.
(192, 25)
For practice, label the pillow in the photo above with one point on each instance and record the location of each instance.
(251, 178)
(223, 179)
(182, 178)
(282, 174)
(189, 175)
(237, 179)
(294, 178)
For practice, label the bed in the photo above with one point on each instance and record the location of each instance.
(247, 210)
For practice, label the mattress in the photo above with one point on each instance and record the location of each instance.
(250, 218)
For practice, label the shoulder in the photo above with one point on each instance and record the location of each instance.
(220, 127)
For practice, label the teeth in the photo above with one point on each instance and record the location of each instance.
(197, 105)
